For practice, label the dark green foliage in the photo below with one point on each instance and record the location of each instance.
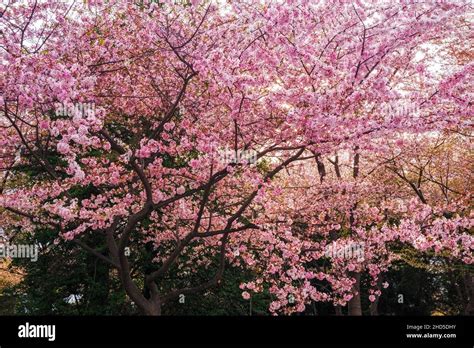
(424, 292)
(63, 272)
(225, 299)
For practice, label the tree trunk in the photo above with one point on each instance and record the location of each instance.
(374, 306)
(354, 306)
(153, 310)
(469, 285)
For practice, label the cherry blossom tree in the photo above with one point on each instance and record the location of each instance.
(180, 128)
